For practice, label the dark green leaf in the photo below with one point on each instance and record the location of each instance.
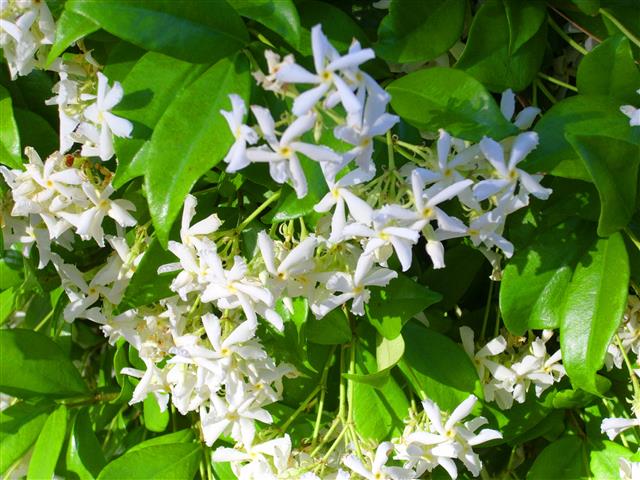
(535, 279)
(190, 138)
(506, 44)
(20, 425)
(419, 31)
(70, 28)
(391, 307)
(49, 445)
(169, 461)
(332, 329)
(613, 166)
(36, 132)
(190, 30)
(609, 69)
(33, 364)
(438, 367)
(595, 300)
(281, 16)
(10, 154)
(451, 99)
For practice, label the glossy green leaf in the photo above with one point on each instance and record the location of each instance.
(506, 44)
(151, 85)
(49, 445)
(536, 277)
(70, 28)
(7, 299)
(378, 412)
(419, 31)
(609, 69)
(590, 7)
(581, 114)
(613, 166)
(33, 364)
(181, 436)
(332, 329)
(169, 461)
(190, 138)
(438, 367)
(20, 425)
(595, 300)
(10, 154)
(391, 307)
(84, 453)
(451, 99)
(189, 30)
(281, 16)
(10, 276)
(155, 420)
(564, 458)
(388, 354)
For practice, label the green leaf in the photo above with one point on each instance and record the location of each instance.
(391, 307)
(377, 412)
(590, 7)
(7, 299)
(388, 354)
(190, 30)
(151, 85)
(605, 461)
(10, 153)
(181, 436)
(84, 453)
(70, 28)
(9, 275)
(419, 31)
(582, 114)
(613, 167)
(33, 364)
(36, 132)
(190, 138)
(281, 16)
(332, 329)
(438, 367)
(451, 99)
(506, 44)
(535, 279)
(339, 27)
(169, 461)
(609, 69)
(155, 420)
(595, 300)
(20, 425)
(49, 445)
(564, 458)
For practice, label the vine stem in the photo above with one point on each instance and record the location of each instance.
(323, 391)
(487, 308)
(301, 408)
(566, 37)
(604, 12)
(259, 210)
(634, 378)
(557, 82)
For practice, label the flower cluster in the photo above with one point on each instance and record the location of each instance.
(25, 27)
(507, 369)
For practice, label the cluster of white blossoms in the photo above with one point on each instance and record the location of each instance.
(25, 27)
(629, 335)
(508, 368)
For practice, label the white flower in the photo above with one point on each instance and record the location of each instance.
(327, 62)
(243, 134)
(480, 358)
(99, 113)
(274, 64)
(378, 470)
(613, 426)
(152, 380)
(282, 154)
(525, 118)
(508, 174)
(629, 470)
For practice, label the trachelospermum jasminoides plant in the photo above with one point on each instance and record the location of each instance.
(348, 234)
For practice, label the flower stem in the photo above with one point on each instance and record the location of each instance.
(566, 37)
(301, 408)
(557, 82)
(634, 378)
(258, 210)
(392, 162)
(323, 391)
